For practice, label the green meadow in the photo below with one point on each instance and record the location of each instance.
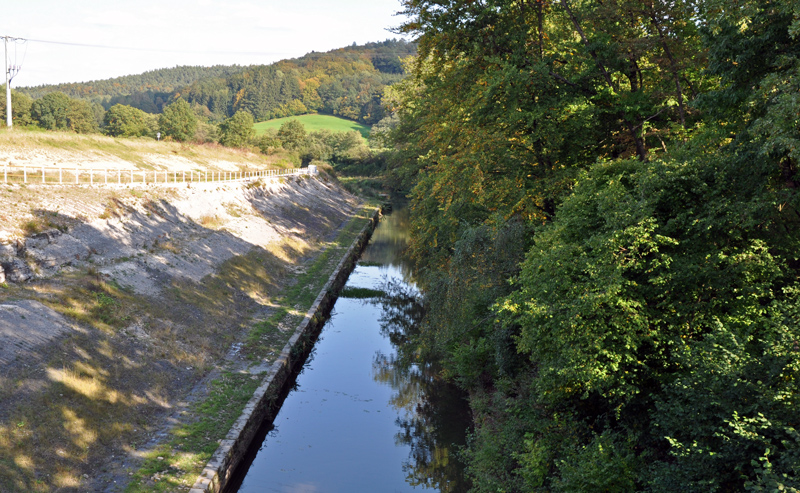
(316, 122)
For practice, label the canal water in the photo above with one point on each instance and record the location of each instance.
(364, 414)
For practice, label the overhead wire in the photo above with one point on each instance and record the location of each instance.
(154, 50)
(192, 52)
(17, 41)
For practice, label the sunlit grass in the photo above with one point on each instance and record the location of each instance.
(179, 461)
(136, 151)
(316, 122)
(91, 300)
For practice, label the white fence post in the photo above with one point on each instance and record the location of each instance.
(91, 176)
(42, 174)
(76, 176)
(59, 176)
(105, 176)
(119, 176)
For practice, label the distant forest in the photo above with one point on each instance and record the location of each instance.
(347, 82)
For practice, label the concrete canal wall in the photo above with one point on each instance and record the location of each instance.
(264, 404)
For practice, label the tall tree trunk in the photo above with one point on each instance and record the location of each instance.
(673, 65)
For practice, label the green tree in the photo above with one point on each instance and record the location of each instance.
(178, 121)
(126, 121)
(20, 107)
(50, 112)
(268, 142)
(81, 117)
(379, 134)
(292, 134)
(237, 131)
(648, 152)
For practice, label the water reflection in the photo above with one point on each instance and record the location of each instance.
(433, 415)
(388, 243)
(368, 415)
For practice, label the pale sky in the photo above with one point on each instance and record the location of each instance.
(166, 33)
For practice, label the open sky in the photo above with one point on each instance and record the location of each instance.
(137, 36)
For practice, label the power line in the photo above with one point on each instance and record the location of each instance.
(190, 52)
(155, 50)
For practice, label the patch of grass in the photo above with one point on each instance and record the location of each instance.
(91, 300)
(210, 222)
(361, 293)
(32, 227)
(44, 220)
(178, 462)
(233, 209)
(113, 208)
(138, 151)
(255, 184)
(316, 122)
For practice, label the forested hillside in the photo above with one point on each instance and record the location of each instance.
(148, 91)
(347, 82)
(606, 228)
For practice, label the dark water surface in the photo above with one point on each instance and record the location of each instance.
(363, 415)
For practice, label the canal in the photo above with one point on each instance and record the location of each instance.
(365, 414)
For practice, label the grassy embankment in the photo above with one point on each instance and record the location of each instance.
(42, 148)
(105, 389)
(316, 122)
(101, 392)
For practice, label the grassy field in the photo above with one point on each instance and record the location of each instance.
(316, 122)
(22, 147)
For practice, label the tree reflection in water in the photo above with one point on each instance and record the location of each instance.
(434, 414)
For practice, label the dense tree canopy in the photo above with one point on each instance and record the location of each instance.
(50, 111)
(237, 131)
(125, 121)
(178, 121)
(292, 134)
(81, 117)
(20, 107)
(605, 224)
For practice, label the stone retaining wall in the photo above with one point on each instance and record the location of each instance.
(263, 406)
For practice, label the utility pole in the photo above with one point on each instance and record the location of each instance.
(8, 86)
(9, 76)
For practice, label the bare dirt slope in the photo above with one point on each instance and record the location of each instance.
(118, 304)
